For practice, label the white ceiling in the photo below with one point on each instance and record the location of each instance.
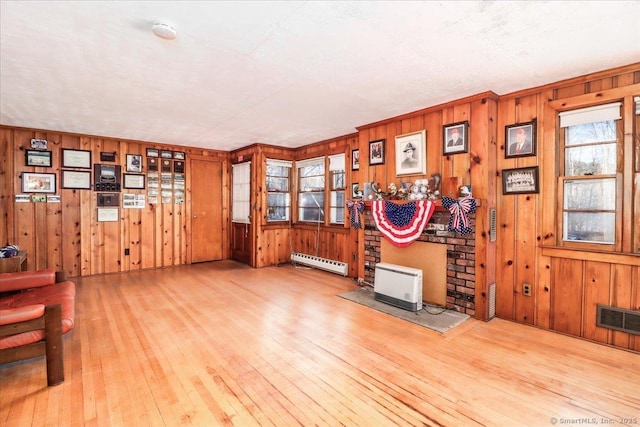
(286, 73)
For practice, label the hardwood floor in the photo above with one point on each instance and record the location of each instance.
(223, 344)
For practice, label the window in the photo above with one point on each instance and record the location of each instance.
(241, 203)
(311, 190)
(278, 190)
(589, 180)
(313, 193)
(338, 185)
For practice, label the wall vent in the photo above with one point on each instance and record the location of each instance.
(619, 319)
(493, 227)
(320, 263)
(492, 301)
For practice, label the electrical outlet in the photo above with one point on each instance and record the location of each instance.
(526, 289)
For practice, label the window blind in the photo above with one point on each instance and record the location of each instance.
(599, 113)
(336, 162)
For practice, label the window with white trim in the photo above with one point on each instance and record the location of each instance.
(241, 193)
(311, 187)
(278, 190)
(589, 174)
(337, 180)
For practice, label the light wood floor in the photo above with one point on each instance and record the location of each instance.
(224, 344)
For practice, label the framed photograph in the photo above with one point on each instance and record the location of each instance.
(134, 163)
(520, 180)
(152, 164)
(153, 152)
(178, 166)
(376, 152)
(76, 158)
(39, 144)
(80, 180)
(166, 154)
(355, 160)
(356, 193)
(455, 138)
(133, 181)
(520, 139)
(38, 182)
(38, 158)
(179, 155)
(411, 153)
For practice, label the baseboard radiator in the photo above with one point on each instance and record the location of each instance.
(618, 319)
(398, 285)
(320, 263)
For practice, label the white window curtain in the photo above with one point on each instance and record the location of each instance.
(310, 162)
(599, 113)
(637, 101)
(241, 203)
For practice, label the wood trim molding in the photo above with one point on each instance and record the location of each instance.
(599, 97)
(591, 255)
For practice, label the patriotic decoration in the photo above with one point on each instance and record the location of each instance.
(356, 208)
(460, 210)
(402, 223)
(9, 251)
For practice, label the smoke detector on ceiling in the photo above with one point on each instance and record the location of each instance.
(164, 31)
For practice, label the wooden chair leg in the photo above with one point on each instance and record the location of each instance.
(53, 340)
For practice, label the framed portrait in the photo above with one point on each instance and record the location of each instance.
(133, 181)
(152, 152)
(80, 180)
(355, 160)
(76, 158)
(520, 180)
(37, 158)
(38, 182)
(520, 139)
(376, 152)
(411, 153)
(455, 138)
(134, 163)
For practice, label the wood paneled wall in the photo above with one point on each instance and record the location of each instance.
(67, 236)
(567, 283)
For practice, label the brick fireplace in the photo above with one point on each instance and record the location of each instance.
(460, 257)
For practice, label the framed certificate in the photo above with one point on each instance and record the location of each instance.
(76, 179)
(76, 158)
(134, 181)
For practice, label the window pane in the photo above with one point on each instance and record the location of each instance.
(591, 132)
(278, 213)
(590, 194)
(282, 171)
(337, 207)
(313, 183)
(277, 184)
(337, 180)
(597, 227)
(598, 159)
(278, 199)
(313, 170)
(311, 207)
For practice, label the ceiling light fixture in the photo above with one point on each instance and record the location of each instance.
(164, 31)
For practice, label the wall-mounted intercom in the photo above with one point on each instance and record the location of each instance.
(107, 177)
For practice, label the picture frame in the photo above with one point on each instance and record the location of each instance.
(133, 181)
(39, 144)
(38, 182)
(520, 180)
(152, 164)
(153, 152)
(134, 163)
(76, 158)
(79, 180)
(355, 160)
(179, 155)
(37, 158)
(178, 166)
(356, 192)
(411, 153)
(376, 152)
(166, 165)
(455, 138)
(520, 139)
(166, 154)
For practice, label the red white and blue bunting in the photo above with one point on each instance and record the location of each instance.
(402, 223)
(460, 209)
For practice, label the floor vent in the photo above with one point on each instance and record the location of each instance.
(320, 263)
(619, 319)
(492, 301)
